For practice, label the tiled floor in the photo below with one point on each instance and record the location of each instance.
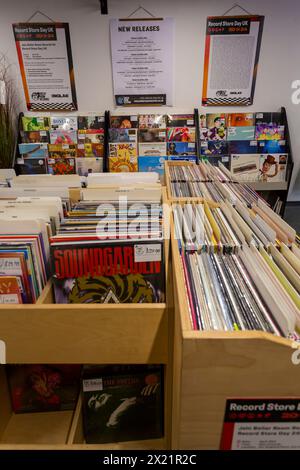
(292, 215)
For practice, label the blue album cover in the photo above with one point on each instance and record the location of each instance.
(214, 147)
(156, 164)
(271, 146)
(187, 158)
(181, 148)
(242, 146)
(241, 133)
(38, 150)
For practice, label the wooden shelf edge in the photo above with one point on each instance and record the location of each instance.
(238, 335)
(265, 186)
(153, 444)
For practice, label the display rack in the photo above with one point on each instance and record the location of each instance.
(271, 190)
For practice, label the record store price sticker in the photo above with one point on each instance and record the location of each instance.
(92, 385)
(2, 352)
(144, 253)
(10, 266)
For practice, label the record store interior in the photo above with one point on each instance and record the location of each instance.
(149, 225)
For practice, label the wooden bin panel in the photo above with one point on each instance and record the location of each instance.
(214, 369)
(81, 334)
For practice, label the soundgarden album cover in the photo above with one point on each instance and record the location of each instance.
(98, 272)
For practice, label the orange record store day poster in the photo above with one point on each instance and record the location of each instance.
(231, 56)
(46, 65)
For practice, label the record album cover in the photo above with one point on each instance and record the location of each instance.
(91, 137)
(272, 146)
(273, 167)
(152, 135)
(216, 159)
(43, 387)
(64, 123)
(152, 121)
(122, 135)
(242, 146)
(33, 137)
(216, 125)
(35, 123)
(181, 148)
(62, 151)
(124, 150)
(180, 120)
(245, 167)
(63, 137)
(10, 290)
(38, 150)
(85, 166)
(241, 133)
(124, 122)
(32, 166)
(90, 150)
(270, 119)
(122, 164)
(214, 147)
(109, 272)
(269, 132)
(186, 158)
(61, 166)
(156, 149)
(123, 405)
(181, 134)
(90, 122)
(240, 119)
(156, 164)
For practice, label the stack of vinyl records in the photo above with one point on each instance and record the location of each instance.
(209, 182)
(26, 224)
(241, 268)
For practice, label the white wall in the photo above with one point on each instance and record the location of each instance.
(279, 60)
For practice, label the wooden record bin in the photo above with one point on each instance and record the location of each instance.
(180, 200)
(210, 367)
(48, 333)
(170, 197)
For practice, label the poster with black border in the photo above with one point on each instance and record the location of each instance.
(142, 61)
(232, 48)
(46, 65)
(261, 424)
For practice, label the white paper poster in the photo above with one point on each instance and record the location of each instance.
(142, 61)
(45, 58)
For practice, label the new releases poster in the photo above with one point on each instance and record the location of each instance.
(46, 66)
(142, 61)
(231, 57)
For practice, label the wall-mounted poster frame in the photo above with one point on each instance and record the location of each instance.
(46, 65)
(231, 57)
